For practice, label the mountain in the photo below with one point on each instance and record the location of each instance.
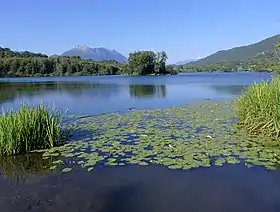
(54, 55)
(6, 52)
(241, 53)
(97, 54)
(183, 62)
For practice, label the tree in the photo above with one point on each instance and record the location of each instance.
(141, 62)
(160, 62)
(171, 70)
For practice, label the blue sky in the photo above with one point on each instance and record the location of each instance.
(185, 29)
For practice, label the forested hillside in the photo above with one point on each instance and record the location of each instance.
(241, 53)
(266, 58)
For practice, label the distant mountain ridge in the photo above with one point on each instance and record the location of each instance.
(54, 55)
(183, 62)
(97, 54)
(241, 53)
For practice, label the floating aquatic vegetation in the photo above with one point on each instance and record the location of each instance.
(52, 167)
(192, 136)
(58, 162)
(66, 170)
(90, 169)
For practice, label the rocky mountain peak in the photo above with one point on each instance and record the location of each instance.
(83, 48)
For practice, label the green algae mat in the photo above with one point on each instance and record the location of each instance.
(192, 136)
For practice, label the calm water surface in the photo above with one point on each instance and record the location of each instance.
(95, 95)
(25, 186)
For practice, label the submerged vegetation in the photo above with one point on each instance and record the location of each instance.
(258, 108)
(29, 128)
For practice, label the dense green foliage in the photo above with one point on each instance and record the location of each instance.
(27, 64)
(142, 63)
(60, 66)
(258, 109)
(148, 63)
(29, 128)
(240, 53)
(277, 48)
(254, 65)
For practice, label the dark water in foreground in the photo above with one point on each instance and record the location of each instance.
(25, 186)
(149, 189)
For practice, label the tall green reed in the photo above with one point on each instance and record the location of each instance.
(258, 108)
(29, 128)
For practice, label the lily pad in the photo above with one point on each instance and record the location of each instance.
(52, 167)
(65, 170)
(90, 169)
(187, 137)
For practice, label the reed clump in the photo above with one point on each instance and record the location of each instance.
(258, 109)
(30, 128)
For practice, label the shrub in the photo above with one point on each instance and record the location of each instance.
(258, 108)
(29, 128)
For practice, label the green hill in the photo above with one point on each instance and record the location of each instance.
(241, 53)
(8, 53)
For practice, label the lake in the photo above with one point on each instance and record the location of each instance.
(106, 94)
(26, 186)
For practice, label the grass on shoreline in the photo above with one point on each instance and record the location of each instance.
(29, 128)
(258, 109)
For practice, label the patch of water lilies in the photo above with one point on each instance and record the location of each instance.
(192, 136)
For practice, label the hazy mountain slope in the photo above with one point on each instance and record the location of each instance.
(183, 62)
(97, 54)
(240, 53)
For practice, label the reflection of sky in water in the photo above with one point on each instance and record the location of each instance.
(153, 188)
(94, 95)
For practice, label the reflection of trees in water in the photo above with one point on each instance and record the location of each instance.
(143, 91)
(11, 90)
(229, 89)
(24, 167)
